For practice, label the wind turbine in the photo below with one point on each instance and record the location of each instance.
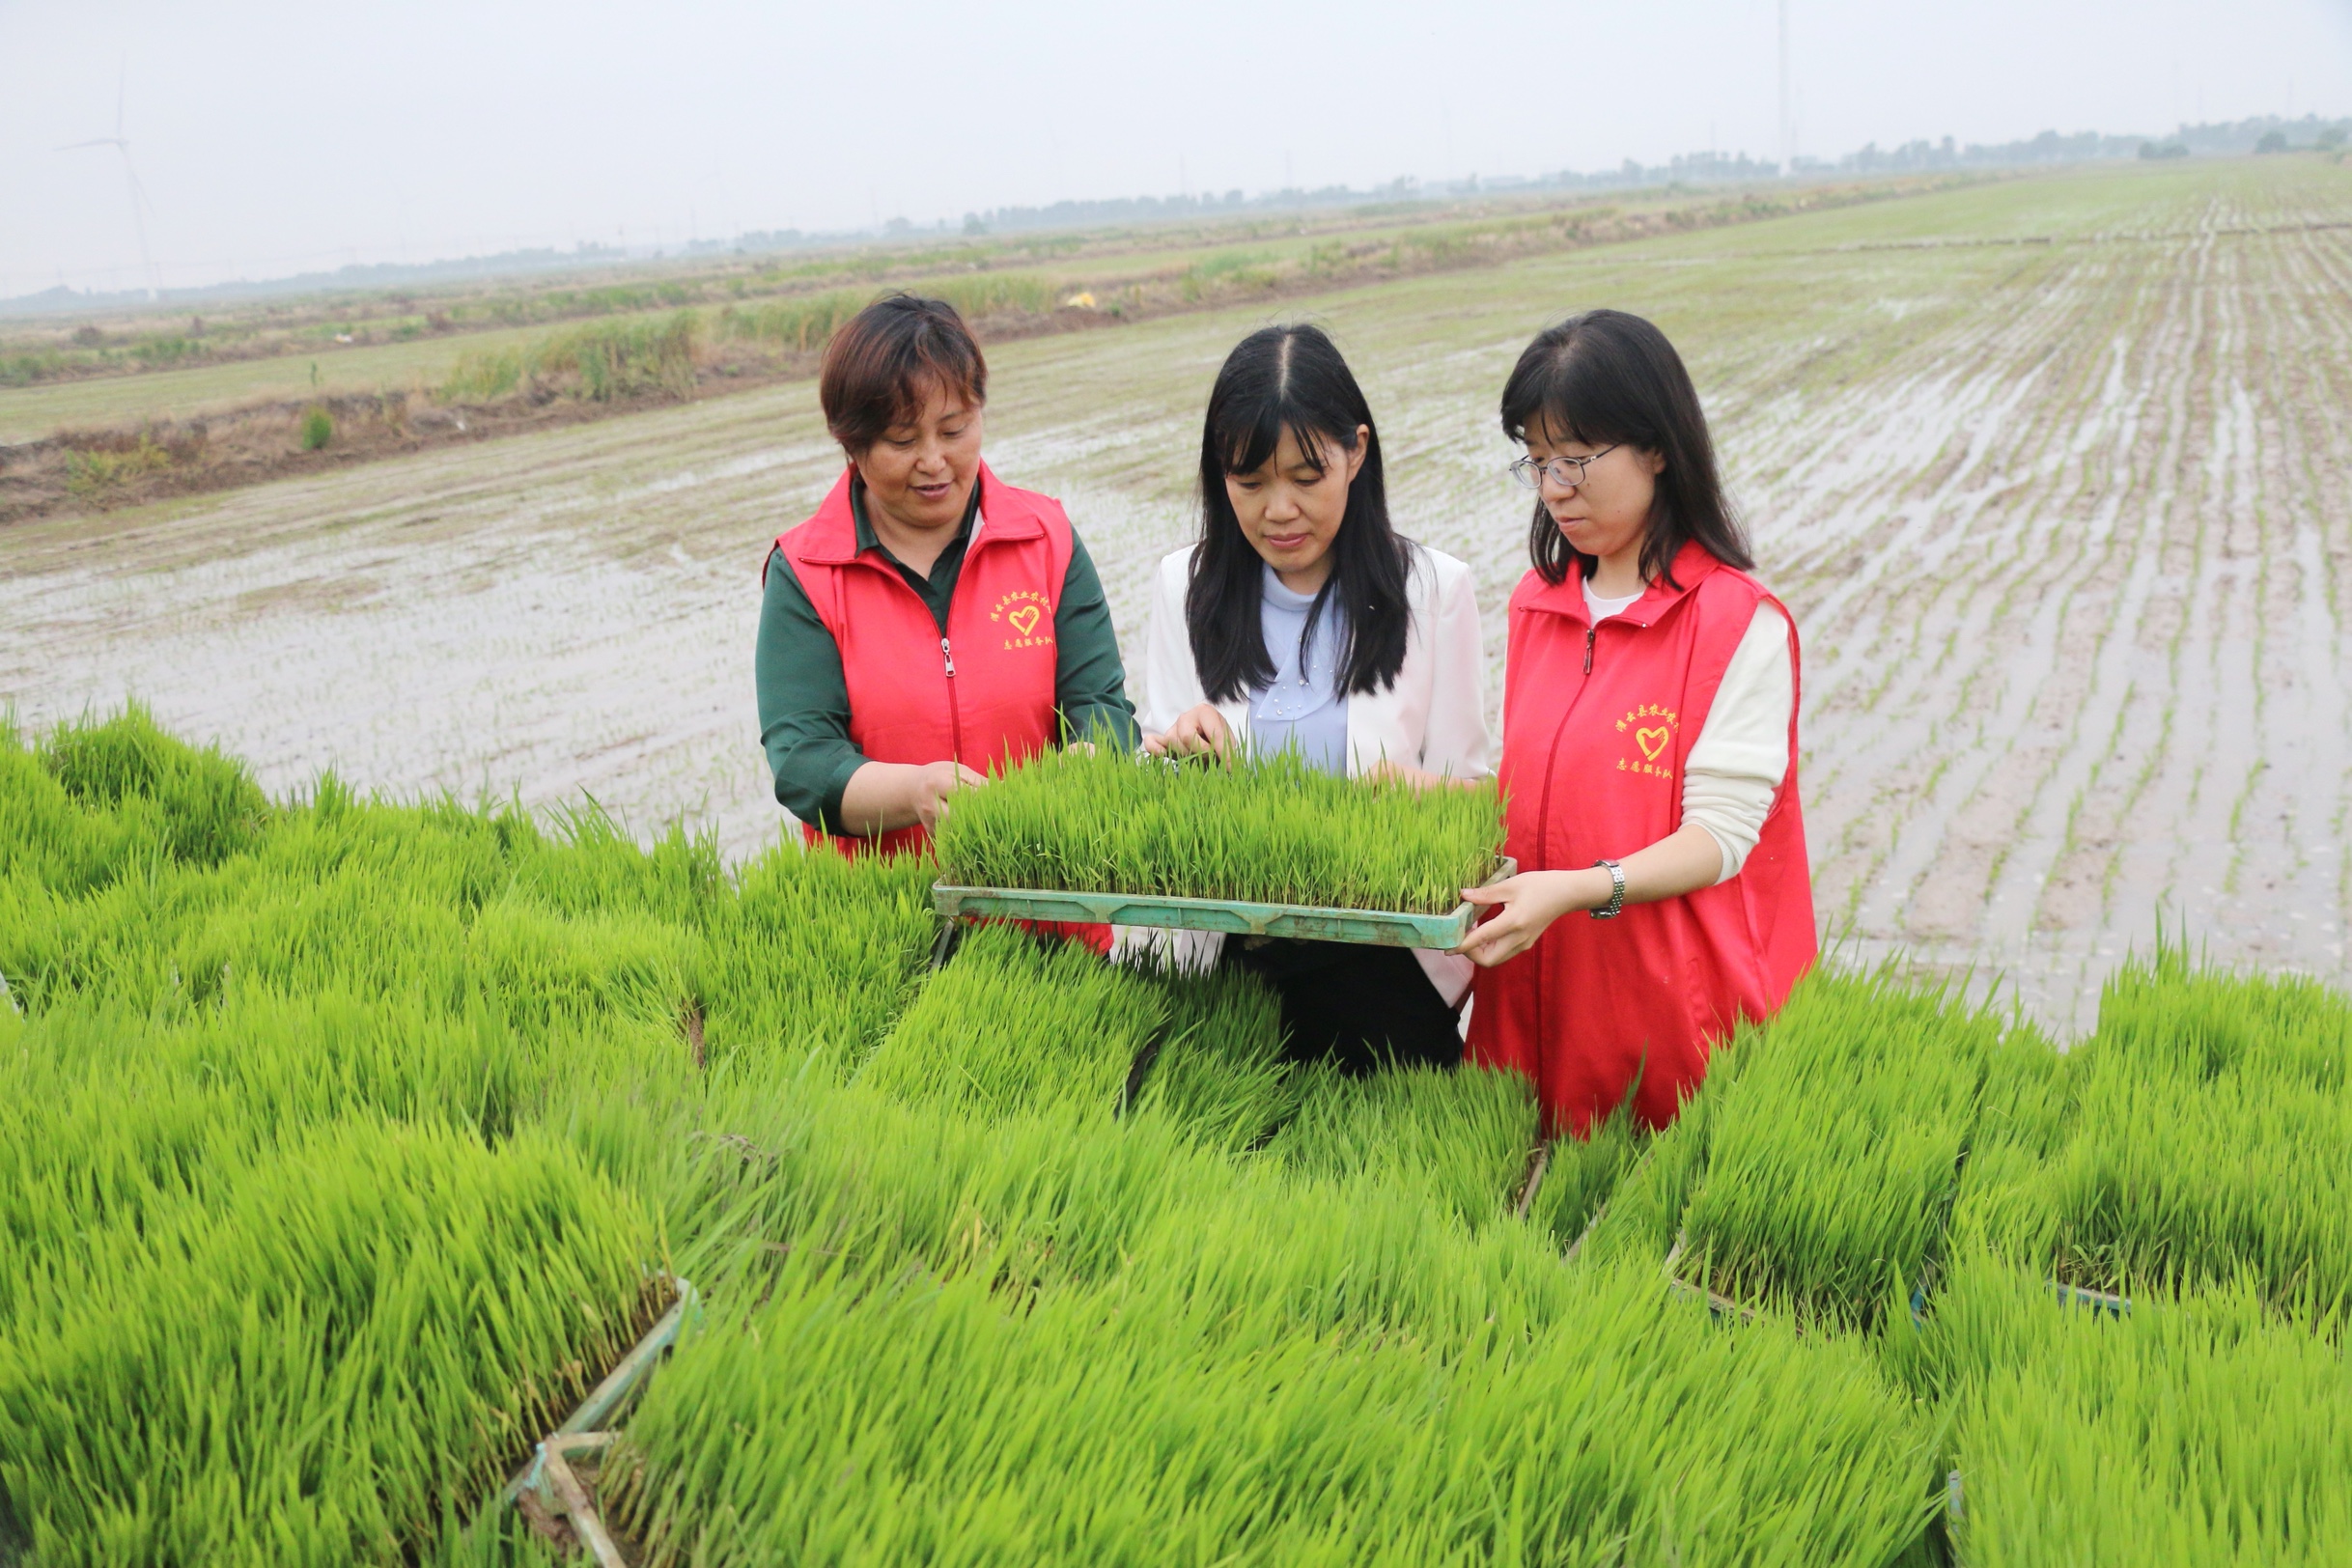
(138, 195)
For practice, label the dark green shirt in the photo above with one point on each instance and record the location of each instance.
(804, 701)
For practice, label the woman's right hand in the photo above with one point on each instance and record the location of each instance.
(1524, 908)
(933, 782)
(1197, 732)
(881, 797)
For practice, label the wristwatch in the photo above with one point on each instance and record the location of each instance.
(1616, 892)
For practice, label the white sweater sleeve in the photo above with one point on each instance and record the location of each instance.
(1171, 683)
(1456, 741)
(1741, 756)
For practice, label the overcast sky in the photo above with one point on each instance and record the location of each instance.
(274, 137)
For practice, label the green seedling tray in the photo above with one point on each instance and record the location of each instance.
(604, 1403)
(1378, 928)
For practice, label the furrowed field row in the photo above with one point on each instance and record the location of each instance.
(2049, 517)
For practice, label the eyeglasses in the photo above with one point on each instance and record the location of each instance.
(1568, 473)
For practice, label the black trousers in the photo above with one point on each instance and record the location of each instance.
(1359, 1006)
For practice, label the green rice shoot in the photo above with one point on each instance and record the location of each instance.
(1019, 1022)
(1461, 1135)
(343, 1142)
(1220, 1075)
(1836, 1155)
(1262, 830)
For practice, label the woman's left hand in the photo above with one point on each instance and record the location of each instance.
(1527, 905)
(1198, 731)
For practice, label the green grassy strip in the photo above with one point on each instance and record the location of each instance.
(804, 323)
(2208, 1135)
(1269, 831)
(333, 1365)
(1463, 1136)
(2198, 1430)
(1836, 1155)
(600, 361)
(1136, 1422)
(1019, 1022)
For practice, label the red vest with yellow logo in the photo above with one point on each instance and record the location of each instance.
(982, 694)
(1597, 723)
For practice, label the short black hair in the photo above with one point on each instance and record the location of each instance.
(1606, 377)
(1292, 379)
(877, 367)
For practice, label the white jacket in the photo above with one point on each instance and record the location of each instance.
(1433, 718)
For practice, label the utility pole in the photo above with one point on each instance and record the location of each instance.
(1788, 124)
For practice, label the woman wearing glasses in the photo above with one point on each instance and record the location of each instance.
(1302, 618)
(1649, 746)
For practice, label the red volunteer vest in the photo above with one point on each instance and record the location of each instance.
(1598, 722)
(983, 694)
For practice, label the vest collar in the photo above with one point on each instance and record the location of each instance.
(1566, 596)
(1005, 512)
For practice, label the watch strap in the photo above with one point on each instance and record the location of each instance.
(1616, 891)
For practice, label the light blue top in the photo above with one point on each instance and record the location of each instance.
(1302, 708)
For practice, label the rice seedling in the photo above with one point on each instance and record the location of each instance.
(1645, 1208)
(331, 1365)
(1836, 1155)
(1130, 1424)
(2023, 1120)
(1267, 829)
(2198, 1430)
(1579, 1174)
(152, 794)
(538, 965)
(812, 959)
(416, 1089)
(2210, 1137)
(1220, 1075)
(1016, 1022)
(1462, 1136)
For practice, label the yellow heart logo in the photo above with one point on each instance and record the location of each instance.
(1652, 741)
(1023, 619)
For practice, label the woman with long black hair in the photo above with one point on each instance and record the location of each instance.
(1303, 619)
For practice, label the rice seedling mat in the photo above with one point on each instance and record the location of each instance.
(1237, 917)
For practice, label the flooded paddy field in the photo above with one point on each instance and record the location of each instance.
(2052, 472)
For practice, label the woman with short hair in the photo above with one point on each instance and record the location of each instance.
(1303, 619)
(1649, 755)
(929, 624)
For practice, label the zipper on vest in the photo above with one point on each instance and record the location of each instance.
(955, 710)
(1552, 757)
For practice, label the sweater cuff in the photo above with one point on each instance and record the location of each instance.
(1111, 724)
(836, 784)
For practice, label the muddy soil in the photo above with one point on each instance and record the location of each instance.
(132, 461)
(2066, 530)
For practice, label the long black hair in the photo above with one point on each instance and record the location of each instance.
(1605, 378)
(1292, 379)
